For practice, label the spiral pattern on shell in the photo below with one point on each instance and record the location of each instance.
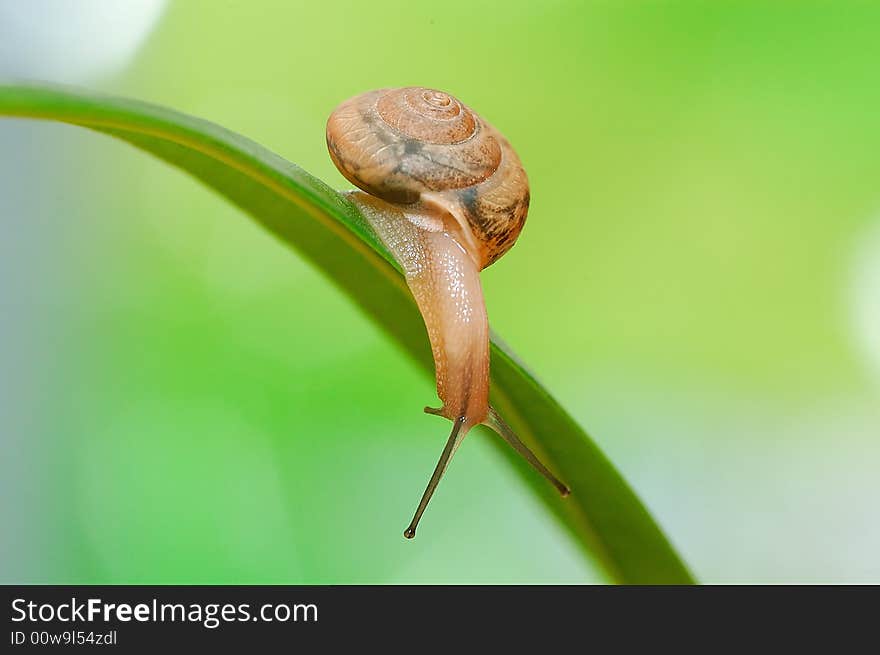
(418, 144)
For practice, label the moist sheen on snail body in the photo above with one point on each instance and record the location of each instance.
(448, 196)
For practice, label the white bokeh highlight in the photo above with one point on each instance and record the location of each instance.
(864, 296)
(72, 41)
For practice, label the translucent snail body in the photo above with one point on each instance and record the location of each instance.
(447, 195)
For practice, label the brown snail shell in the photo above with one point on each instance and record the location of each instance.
(418, 144)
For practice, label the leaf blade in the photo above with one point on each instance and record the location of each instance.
(603, 514)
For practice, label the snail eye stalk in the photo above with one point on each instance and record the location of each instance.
(451, 446)
(500, 426)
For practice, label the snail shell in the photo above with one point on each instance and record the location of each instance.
(418, 144)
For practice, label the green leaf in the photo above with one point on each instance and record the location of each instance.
(602, 513)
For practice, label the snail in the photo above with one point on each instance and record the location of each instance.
(447, 195)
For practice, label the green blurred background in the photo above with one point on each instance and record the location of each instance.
(183, 400)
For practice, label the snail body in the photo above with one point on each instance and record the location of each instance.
(448, 196)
